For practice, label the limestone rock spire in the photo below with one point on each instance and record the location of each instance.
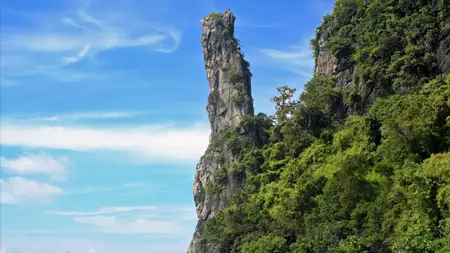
(228, 73)
(229, 102)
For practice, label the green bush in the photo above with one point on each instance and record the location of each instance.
(266, 244)
(215, 15)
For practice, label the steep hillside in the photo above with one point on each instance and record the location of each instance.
(359, 163)
(229, 103)
(378, 48)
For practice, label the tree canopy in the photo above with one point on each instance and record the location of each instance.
(378, 181)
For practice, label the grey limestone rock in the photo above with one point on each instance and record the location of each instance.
(443, 54)
(229, 102)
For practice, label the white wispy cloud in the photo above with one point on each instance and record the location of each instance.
(18, 190)
(180, 212)
(66, 37)
(50, 244)
(78, 57)
(91, 115)
(161, 220)
(125, 189)
(35, 231)
(297, 59)
(285, 55)
(105, 210)
(116, 225)
(166, 143)
(34, 164)
(70, 117)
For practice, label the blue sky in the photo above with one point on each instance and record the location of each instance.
(103, 114)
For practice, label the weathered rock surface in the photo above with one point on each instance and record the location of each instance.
(326, 63)
(443, 50)
(443, 54)
(229, 102)
(344, 69)
(228, 76)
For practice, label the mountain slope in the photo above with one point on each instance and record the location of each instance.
(361, 161)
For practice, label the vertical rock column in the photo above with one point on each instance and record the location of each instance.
(228, 74)
(229, 102)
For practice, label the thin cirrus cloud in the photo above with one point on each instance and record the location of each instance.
(99, 115)
(115, 225)
(180, 212)
(78, 57)
(52, 44)
(105, 210)
(157, 220)
(161, 143)
(130, 188)
(36, 164)
(72, 117)
(297, 60)
(19, 190)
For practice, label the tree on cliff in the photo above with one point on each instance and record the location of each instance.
(358, 166)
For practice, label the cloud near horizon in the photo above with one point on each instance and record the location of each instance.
(158, 220)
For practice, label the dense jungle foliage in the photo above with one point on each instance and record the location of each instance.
(377, 181)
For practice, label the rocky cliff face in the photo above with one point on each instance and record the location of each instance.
(329, 65)
(443, 53)
(229, 102)
(345, 69)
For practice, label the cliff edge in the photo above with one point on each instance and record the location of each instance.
(229, 102)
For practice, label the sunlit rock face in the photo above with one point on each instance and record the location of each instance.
(229, 102)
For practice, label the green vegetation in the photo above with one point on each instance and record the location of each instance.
(218, 182)
(215, 15)
(236, 79)
(226, 32)
(235, 76)
(390, 43)
(378, 181)
(238, 97)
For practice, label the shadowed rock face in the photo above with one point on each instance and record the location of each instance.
(229, 102)
(443, 53)
(443, 50)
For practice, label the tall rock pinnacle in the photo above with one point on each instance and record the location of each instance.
(229, 102)
(227, 72)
